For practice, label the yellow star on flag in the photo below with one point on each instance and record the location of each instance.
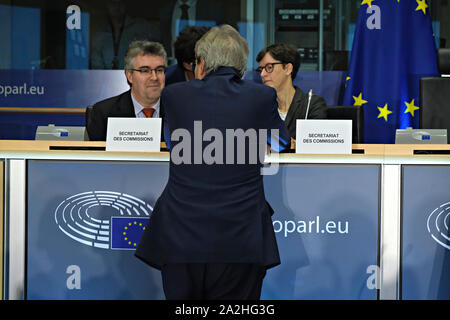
(368, 2)
(421, 5)
(359, 101)
(410, 107)
(384, 112)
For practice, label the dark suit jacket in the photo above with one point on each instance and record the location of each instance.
(214, 213)
(297, 110)
(174, 74)
(120, 106)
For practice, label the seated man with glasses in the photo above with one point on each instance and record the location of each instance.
(278, 66)
(145, 65)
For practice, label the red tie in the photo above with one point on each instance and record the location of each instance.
(148, 112)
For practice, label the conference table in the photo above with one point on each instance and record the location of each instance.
(369, 225)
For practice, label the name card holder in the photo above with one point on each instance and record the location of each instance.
(324, 136)
(134, 134)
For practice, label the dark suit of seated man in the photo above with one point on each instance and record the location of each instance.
(145, 64)
(185, 54)
(210, 232)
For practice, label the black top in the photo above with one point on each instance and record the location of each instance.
(297, 110)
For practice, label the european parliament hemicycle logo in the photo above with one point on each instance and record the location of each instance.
(103, 219)
(438, 225)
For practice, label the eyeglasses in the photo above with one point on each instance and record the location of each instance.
(146, 70)
(268, 67)
(193, 64)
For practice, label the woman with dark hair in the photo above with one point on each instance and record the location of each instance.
(278, 66)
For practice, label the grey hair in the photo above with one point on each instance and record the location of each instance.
(143, 47)
(223, 46)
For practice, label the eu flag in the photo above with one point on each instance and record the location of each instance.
(392, 49)
(127, 231)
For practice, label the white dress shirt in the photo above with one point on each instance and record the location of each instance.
(138, 108)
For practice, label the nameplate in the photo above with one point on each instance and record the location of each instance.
(134, 134)
(324, 136)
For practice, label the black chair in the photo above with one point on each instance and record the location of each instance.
(354, 113)
(86, 118)
(434, 97)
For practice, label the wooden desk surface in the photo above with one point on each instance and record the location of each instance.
(47, 145)
(386, 150)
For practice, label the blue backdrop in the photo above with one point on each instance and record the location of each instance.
(425, 232)
(104, 273)
(326, 222)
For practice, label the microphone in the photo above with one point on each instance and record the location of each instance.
(309, 102)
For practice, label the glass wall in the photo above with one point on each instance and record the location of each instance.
(81, 34)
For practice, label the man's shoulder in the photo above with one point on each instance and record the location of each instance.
(174, 74)
(181, 86)
(244, 86)
(173, 69)
(109, 102)
(257, 89)
(257, 86)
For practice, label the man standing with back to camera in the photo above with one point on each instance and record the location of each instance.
(211, 232)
